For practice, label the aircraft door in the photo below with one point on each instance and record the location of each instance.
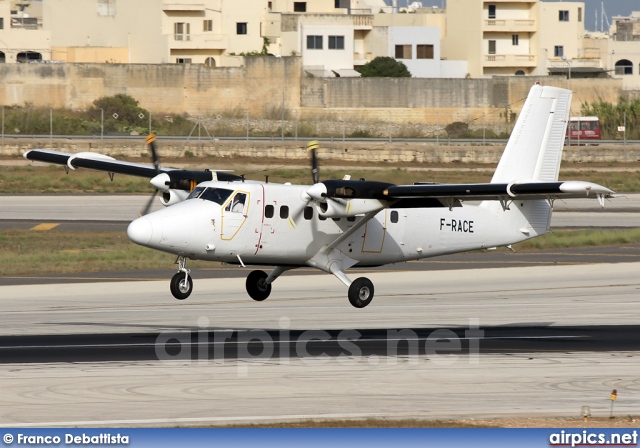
(234, 214)
(374, 233)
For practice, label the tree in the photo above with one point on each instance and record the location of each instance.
(384, 66)
(121, 113)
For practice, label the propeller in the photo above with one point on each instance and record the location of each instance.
(151, 139)
(315, 171)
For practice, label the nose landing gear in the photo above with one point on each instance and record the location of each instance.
(181, 284)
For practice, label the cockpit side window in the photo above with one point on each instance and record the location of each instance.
(237, 204)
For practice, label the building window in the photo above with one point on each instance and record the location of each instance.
(624, 67)
(519, 72)
(564, 16)
(579, 14)
(403, 52)
(492, 47)
(182, 31)
(515, 39)
(336, 42)
(3, 58)
(270, 6)
(210, 62)
(1, 23)
(183, 60)
(424, 51)
(336, 4)
(207, 25)
(558, 51)
(284, 211)
(241, 28)
(492, 11)
(314, 42)
(299, 6)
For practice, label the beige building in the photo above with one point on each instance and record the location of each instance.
(21, 37)
(515, 37)
(170, 31)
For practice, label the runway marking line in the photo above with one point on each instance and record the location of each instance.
(46, 226)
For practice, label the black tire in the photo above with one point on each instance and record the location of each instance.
(256, 288)
(361, 292)
(179, 288)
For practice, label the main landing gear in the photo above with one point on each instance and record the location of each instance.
(258, 286)
(181, 284)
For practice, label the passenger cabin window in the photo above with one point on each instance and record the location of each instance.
(284, 212)
(394, 216)
(308, 213)
(237, 204)
(217, 195)
(268, 211)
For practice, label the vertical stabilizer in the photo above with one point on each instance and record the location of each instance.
(533, 153)
(534, 150)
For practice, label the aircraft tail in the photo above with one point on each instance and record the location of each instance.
(534, 151)
(533, 154)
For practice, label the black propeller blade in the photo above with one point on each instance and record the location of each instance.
(151, 139)
(315, 171)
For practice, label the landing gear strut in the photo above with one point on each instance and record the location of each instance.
(181, 284)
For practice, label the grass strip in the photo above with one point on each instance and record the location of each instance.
(30, 252)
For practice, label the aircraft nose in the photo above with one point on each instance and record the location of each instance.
(140, 231)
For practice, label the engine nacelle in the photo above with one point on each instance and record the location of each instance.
(173, 197)
(339, 208)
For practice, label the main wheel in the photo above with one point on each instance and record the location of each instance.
(180, 286)
(361, 292)
(256, 286)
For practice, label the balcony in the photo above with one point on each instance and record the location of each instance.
(361, 58)
(199, 42)
(509, 60)
(363, 22)
(510, 25)
(584, 66)
(183, 5)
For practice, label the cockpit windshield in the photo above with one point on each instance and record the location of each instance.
(217, 195)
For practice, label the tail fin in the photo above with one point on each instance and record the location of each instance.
(534, 151)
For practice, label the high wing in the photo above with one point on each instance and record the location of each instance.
(168, 178)
(451, 193)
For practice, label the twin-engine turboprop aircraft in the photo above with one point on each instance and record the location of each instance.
(334, 225)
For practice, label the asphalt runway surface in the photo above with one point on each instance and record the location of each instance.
(464, 343)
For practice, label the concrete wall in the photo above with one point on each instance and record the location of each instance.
(165, 88)
(356, 152)
(258, 86)
(462, 98)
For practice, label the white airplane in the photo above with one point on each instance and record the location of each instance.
(334, 225)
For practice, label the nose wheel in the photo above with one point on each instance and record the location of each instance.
(181, 283)
(361, 292)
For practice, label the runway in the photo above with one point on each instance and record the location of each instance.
(622, 211)
(464, 343)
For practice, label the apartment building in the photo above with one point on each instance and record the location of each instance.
(21, 36)
(623, 50)
(514, 37)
